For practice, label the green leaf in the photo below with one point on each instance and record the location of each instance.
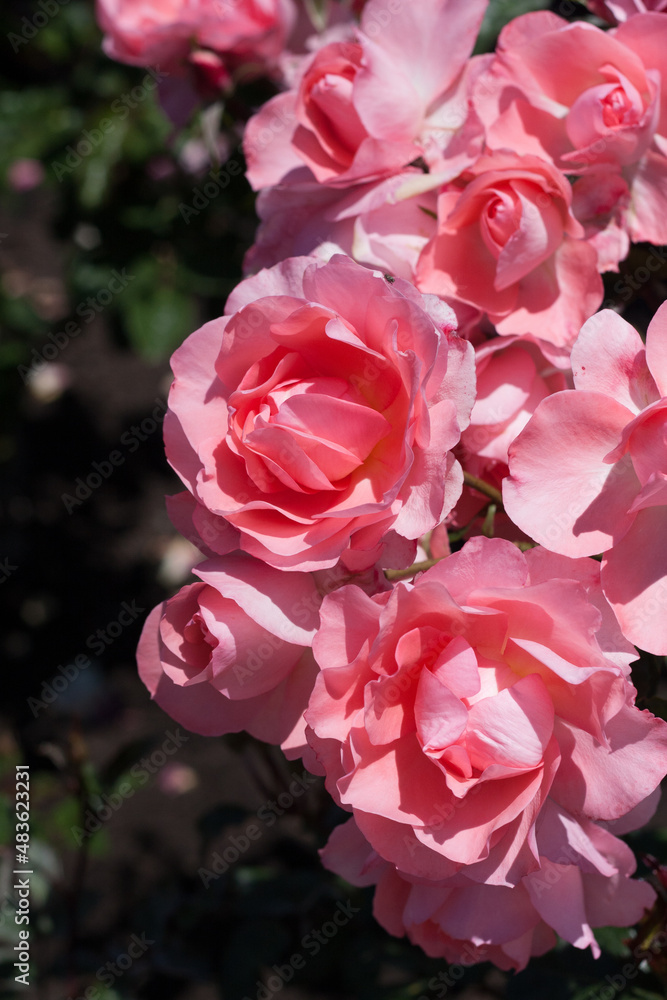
(158, 316)
(611, 940)
(498, 14)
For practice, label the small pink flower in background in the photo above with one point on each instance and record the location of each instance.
(593, 102)
(233, 652)
(316, 419)
(508, 244)
(459, 717)
(365, 109)
(583, 882)
(25, 174)
(616, 11)
(177, 779)
(589, 471)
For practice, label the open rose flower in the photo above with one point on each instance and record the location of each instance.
(507, 243)
(582, 882)
(367, 108)
(317, 417)
(455, 715)
(233, 652)
(166, 32)
(593, 101)
(589, 471)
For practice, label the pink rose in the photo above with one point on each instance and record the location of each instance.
(582, 882)
(152, 32)
(364, 109)
(319, 415)
(232, 652)
(455, 716)
(508, 244)
(589, 472)
(616, 11)
(514, 374)
(592, 101)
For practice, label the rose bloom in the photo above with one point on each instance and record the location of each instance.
(507, 243)
(367, 108)
(317, 417)
(164, 32)
(589, 471)
(583, 882)
(233, 652)
(616, 11)
(455, 716)
(592, 101)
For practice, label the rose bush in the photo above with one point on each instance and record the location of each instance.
(317, 418)
(588, 472)
(453, 715)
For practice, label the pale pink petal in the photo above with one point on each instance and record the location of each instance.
(558, 896)
(284, 603)
(267, 144)
(560, 490)
(646, 216)
(634, 579)
(607, 784)
(609, 357)
(513, 728)
(555, 299)
(656, 348)
(412, 38)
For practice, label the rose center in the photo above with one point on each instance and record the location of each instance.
(500, 219)
(197, 632)
(311, 434)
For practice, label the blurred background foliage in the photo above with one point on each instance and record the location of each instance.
(108, 259)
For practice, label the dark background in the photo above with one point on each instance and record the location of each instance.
(121, 828)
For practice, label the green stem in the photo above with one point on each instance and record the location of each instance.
(483, 487)
(403, 574)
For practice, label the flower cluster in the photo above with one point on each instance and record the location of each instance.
(414, 364)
